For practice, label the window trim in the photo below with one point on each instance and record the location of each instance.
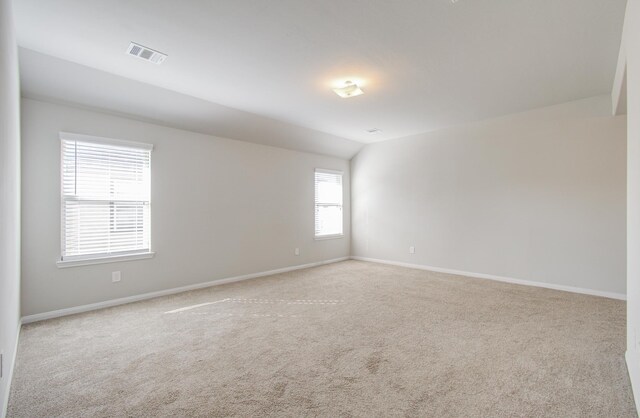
(90, 260)
(104, 140)
(326, 237)
(341, 174)
(98, 258)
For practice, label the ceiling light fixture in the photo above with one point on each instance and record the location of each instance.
(350, 89)
(374, 131)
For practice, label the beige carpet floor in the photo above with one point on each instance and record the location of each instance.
(347, 339)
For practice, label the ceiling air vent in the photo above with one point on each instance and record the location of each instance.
(145, 53)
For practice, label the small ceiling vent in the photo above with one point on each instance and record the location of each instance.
(145, 53)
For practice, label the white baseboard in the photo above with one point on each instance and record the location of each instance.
(10, 368)
(121, 301)
(633, 367)
(572, 289)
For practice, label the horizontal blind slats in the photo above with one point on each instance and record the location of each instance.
(328, 203)
(106, 198)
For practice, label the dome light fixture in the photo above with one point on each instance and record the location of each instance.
(350, 89)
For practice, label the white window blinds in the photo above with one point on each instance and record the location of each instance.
(106, 190)
(328, 189)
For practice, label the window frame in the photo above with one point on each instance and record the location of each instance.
(98, 258)
(315, 204)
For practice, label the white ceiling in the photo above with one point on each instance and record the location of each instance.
(424, 64)
(70, 83)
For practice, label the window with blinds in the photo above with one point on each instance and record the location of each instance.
(106, 193)
(328, 190)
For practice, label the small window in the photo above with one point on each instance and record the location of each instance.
(328, 188)
(106, 198)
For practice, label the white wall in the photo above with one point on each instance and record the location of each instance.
(9, 196)
(631, 39)
(536, 196)
(220, 208)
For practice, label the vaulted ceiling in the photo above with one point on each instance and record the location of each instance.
(423, 65)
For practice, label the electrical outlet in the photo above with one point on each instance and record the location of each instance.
(297, 251)
(115, 276)
(412, 250)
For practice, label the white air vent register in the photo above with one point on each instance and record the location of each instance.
(145, 53)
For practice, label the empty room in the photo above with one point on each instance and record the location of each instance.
(300, 208)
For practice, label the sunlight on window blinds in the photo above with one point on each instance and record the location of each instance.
(328, 188)
(105, 199)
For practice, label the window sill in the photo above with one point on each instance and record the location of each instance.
(323, 237)
(102, 260)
